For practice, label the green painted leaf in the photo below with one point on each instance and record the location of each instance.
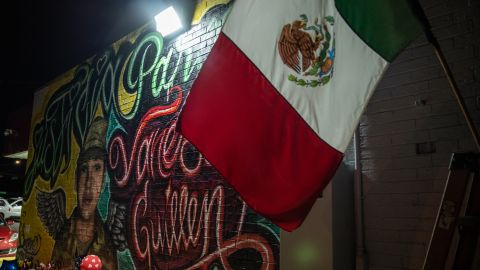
(325, 80)
(323, 53)
(330, 19)
(313, 27)
(292, 78)
(328, 37)
(301, 82)
(312, 71)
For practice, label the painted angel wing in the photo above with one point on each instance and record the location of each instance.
(51, 210)
(288, 49)
(116, 222)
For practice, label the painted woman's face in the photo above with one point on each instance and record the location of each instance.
(90, 181)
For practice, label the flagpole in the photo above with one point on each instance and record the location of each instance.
(418, 10)
(456, 91)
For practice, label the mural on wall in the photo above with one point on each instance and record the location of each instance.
(109, 175)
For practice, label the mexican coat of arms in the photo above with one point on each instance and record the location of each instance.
(309, 50)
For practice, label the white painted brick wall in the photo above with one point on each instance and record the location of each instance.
(414, 104)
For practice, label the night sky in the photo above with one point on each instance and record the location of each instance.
(43, 39)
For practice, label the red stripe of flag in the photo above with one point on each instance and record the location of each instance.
(255, 139)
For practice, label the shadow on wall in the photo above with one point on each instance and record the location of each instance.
(326, 238)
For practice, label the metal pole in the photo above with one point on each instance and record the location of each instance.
(420, 14)
(456, 91)
(361, 258)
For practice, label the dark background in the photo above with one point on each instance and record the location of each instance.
(43, 39)
(40, 41)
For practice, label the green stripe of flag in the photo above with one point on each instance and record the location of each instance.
(387, 26)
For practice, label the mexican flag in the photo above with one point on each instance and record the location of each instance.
(280, 95)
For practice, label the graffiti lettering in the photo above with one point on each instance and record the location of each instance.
(73, 106)
(147, 63)
(183, 226)
(144, 146)
(162, 205)
(51, 137)
(142, 62)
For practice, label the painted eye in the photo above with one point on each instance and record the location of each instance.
(83, 168)
(98, 167)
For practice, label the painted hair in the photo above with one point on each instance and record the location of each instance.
(94, 143)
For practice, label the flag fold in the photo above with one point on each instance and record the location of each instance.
(276, 103)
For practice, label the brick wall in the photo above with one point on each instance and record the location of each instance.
(108, 174)
(414, 105)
